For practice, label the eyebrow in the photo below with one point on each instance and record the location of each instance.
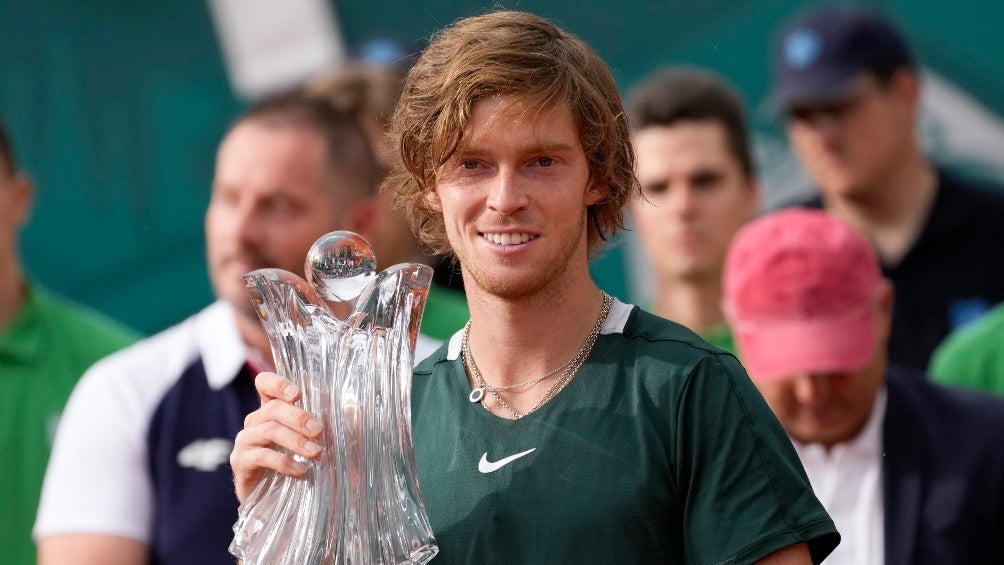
(529, 148)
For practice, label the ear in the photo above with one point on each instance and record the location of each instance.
(24, 198)
(361, 217)
(905, 83)
(433, 201)
(595, 193)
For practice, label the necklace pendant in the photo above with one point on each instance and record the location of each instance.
(476, 395)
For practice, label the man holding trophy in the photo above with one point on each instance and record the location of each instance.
(561, 425)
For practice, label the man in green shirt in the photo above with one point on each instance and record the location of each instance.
(46, 343)
(561, 426)
(698, 188)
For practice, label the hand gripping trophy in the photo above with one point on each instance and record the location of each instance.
(359, 502)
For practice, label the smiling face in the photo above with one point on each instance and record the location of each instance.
(696, 196)
(514, 197)
(271, 199)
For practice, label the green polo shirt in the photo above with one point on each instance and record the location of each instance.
(43, 351)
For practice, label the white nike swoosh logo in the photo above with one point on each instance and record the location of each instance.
(486, 466)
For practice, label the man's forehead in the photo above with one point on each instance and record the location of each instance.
(539, 124)
(703, 142)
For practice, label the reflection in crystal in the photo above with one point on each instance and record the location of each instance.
(339, 265)
(360, 501)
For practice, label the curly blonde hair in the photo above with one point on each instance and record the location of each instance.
(517, 54)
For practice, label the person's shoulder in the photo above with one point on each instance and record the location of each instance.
(155, 360)
(656, 341)
(99, 331)
(640, 324)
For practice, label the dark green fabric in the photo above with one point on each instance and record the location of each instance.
(659, 451)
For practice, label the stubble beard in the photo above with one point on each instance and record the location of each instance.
(543, 283)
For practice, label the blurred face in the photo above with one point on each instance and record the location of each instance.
(829, 407)
(696, 196)
(514, 199)
(391, 235)
(271, 199)
(15, 206)
(850, 148)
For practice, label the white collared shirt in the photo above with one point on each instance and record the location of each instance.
(847, 479)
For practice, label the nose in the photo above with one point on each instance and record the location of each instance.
(507, 194)
(812, 389)
(247, 226)
(681, 200)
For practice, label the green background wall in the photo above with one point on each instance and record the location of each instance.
(115, 109)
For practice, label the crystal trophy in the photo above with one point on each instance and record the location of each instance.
(359, 502)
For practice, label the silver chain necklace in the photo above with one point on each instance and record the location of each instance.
(570, 367)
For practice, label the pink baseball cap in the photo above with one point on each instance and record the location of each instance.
(800, 288)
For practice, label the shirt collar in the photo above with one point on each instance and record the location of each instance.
(220, 345)
(614, 324)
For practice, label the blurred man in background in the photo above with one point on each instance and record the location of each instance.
(139, 472)
(46, 343)
(369, 92)
(850, 90)
(698, 188)
(910, 471)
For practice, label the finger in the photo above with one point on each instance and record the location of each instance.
(285, 414)
(272, 435)
(272, 385)
(257, 449)
(249, 466)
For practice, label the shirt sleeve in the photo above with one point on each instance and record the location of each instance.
(97, 480)
(746, 493)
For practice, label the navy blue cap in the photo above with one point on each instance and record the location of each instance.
(821, 52)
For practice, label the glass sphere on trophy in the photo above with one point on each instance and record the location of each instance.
(359, 502)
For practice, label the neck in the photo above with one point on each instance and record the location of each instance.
(513, 340)
(259, 351)
(13, 292)
(695, 304)
(893, 214)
